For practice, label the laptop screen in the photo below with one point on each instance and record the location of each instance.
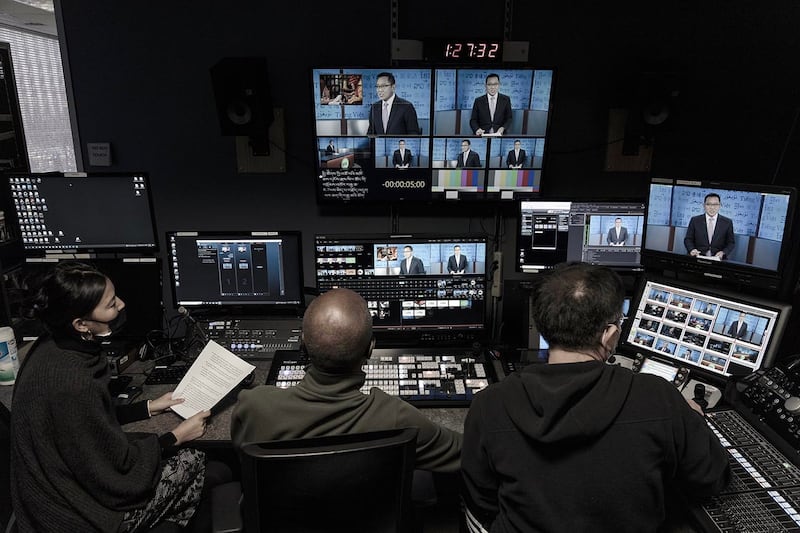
(229, 270)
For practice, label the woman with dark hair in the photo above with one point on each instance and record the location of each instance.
(73, 468)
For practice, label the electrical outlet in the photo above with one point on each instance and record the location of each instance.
(497, 276)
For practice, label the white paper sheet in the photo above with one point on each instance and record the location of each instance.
(214, 373)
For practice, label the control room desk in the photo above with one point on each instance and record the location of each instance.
(218, 429)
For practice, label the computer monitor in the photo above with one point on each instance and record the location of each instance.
(85, 212)
(707, 330)
(416, 287)
(418, 154)
(236, 272)
(601, 232)
(752, 235)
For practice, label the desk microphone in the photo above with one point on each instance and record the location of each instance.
(184, 312)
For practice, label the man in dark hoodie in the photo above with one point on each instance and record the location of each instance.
(576, 444)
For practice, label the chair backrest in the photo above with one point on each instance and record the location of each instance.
(355, 482)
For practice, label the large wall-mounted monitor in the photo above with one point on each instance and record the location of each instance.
(413, 284)
(440, 137)
(82, 212)
(751, 241)
(600, 232)
(233, 272)
(710, 330)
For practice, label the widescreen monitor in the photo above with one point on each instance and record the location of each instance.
(85, 212)
(751, 240)
(231, 272)
(428, 142)
(707, 330)
(412, 283)
(600, 232)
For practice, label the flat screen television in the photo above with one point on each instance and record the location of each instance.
(710, 331)
(418, 287)
(233, 272)
(82, 212)
(429, 143)
(599, 232)
(751, 242)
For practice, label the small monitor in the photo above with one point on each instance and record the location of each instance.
(607, 233)
(94, 212)
(236, 271)
(750, 241)
(413, 284)
(708, 330)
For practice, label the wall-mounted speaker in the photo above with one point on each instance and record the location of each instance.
(241, 90)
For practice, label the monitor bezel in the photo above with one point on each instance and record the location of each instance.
(241, 309)
(736, 274)
(90, 249)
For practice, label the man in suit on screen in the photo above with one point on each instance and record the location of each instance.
(410, 265)
(516, 157)
(618, 234)
(710, 234)
(468, 158)
(391, 115)
(457, 263)
(491, 113)
(738, 329)
(402, 156)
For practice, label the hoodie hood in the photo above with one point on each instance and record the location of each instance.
(554, 403)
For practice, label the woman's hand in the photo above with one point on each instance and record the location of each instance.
(163, 403)
(191, 428)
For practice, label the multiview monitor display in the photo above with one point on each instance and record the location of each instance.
(412, 283)
(430, 133)
(705, 329)
(607, 233)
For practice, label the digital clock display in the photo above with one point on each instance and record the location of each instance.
(472, 50)
(464, 50)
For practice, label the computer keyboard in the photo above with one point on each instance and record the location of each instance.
(161, 375)
(433, 379)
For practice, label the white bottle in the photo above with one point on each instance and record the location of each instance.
(9, 364)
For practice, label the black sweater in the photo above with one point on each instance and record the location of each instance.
(584, 447)
(72, 467)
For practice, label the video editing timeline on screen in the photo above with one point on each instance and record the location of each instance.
(45, 206)
(445, 378)
(602, 233)
(411, 283)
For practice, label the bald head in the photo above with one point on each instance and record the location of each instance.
(337, 331)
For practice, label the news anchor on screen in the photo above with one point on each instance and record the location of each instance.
(467, 158)
(710, 234)
(738, 328)
(618, 234)
(491, 113)
(411, 265)
(391, 115)
(402, 156)
(457, 263)
(516, 158)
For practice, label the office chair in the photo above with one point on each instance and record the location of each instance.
(358, 483)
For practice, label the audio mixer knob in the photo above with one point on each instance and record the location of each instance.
(792, 404)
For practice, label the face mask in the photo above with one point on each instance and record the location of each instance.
(114, 326)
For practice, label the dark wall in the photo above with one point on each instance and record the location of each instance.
(140, 74)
